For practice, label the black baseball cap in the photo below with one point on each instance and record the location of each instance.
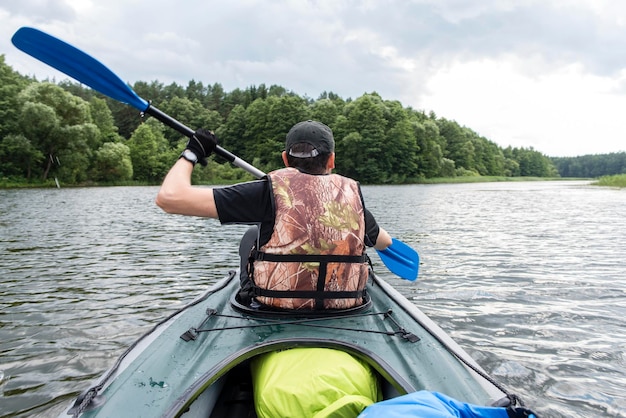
(311, 132)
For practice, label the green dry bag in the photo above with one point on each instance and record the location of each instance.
(312, 382)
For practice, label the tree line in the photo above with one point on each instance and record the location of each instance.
(66, 131)
(594, 166)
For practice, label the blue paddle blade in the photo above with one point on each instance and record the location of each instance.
(401, 260)
(91, 72)
(78, 65)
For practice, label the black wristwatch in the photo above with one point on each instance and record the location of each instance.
(189, 155)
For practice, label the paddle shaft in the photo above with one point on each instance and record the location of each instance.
(185, 130)
(83, 67)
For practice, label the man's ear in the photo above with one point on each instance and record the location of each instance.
(285, 159)
(331, 161)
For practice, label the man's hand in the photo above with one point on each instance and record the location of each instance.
(202, 143)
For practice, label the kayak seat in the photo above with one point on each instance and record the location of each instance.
(260, 310)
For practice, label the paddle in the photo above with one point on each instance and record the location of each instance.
(82, 67)
(401, 259)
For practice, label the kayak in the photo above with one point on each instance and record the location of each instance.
(196, 362)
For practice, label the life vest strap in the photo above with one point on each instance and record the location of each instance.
(309, 258)
(308, 294)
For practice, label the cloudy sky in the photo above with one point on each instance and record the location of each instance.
(547, 74)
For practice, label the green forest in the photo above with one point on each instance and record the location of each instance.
(64, 132)
(591, 166)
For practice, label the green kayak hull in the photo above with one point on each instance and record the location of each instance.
(189, 363)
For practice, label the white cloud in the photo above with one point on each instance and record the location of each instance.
(564, 112)
(547, 74)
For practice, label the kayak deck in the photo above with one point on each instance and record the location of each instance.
(197, 361)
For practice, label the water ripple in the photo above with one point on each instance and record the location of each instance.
(527, 277)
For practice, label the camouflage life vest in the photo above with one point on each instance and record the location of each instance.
(315, 258)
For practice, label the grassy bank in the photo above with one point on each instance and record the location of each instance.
(10, 184)
(485, 179)
(23, 184)
(618, 180)
(50, 184)
(6, 183)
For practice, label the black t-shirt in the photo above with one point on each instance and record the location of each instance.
(251, 204)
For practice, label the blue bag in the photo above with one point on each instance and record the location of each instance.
(425, 404)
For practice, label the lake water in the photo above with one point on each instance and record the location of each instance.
(528, 277)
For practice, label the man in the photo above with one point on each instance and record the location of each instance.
(308, 251)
